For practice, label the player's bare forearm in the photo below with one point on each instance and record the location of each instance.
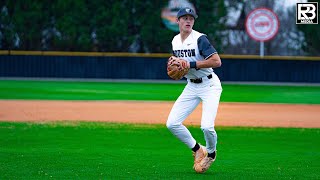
(213, 61)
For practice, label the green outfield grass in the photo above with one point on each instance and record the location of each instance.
(62, 90)
(79, 150)
(68, 150)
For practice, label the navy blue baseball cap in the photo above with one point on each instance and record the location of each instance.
(186, 11)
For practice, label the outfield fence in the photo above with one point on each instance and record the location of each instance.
(103, 65)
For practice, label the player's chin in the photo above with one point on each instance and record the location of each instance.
(188, 29)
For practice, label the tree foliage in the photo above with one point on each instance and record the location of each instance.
(100, 25)
(211, 20)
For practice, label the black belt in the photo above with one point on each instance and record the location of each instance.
(197, 81)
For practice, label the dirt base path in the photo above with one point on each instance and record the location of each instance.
(229, 114)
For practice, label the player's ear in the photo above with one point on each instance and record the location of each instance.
(177, 20)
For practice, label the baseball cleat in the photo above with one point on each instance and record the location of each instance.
(204, 164)
(199, 155)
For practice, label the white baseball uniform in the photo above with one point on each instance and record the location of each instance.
(203, 85)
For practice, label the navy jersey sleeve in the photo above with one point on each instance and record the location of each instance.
(205, 47)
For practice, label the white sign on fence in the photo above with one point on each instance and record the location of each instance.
(262, 24)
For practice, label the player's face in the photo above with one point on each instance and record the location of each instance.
(186, 23)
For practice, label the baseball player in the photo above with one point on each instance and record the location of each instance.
(202, 85)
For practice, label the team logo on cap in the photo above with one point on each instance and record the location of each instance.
(189, 10)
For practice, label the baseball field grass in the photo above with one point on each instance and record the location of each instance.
(91, 150)
(81, 150)
(65, 90)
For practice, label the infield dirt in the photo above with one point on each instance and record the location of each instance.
(229, 114)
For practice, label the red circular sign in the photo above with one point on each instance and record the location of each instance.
(262, 24)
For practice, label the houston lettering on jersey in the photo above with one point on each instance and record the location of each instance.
(185, 53)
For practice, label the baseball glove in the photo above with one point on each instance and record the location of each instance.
(177, 68)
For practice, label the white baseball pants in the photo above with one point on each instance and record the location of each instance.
(209, 92)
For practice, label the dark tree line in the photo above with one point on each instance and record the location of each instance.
(136, 26)
(99, 25)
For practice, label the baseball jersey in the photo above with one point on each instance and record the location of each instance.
(195, 48)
